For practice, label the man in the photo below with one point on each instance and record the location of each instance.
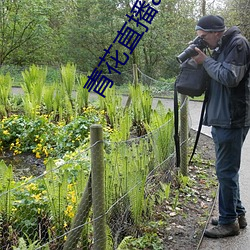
(228, 112)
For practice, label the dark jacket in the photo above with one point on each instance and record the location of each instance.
(228, 103)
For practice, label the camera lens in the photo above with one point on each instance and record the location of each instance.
(187, 53)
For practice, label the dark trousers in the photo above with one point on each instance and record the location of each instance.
(228, 145)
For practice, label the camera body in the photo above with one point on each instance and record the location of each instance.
(190, 51)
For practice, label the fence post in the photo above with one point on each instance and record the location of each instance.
(184, 135)
(98, 195)
(135, 74)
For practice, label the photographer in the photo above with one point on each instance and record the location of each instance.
(228, 112)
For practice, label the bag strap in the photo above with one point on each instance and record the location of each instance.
(176, 126)
(199, 127)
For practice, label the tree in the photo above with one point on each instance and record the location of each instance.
(21, 21)
(79, 31)
(92, 29)
(237, 13)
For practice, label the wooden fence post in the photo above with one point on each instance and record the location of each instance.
(98, 195)
(135, 77)
(135, 74)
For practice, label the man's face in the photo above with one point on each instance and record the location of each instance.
(211, 38)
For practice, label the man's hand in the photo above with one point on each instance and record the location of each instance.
(200, 58)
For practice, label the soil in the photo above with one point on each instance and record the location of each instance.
(25, 164)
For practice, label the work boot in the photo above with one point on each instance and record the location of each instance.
(221, 230)
(241, 219)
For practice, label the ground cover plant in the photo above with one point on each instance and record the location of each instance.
(144, 192)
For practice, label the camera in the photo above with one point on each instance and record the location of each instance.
(190, 51)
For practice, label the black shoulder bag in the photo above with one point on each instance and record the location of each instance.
(192, 79)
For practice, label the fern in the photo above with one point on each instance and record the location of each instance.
(161, 126)
(137, 179)
(68, 74)
(33, 85)
(126, 171)
(82, 96)
(49, 97)
(5, 90)
(56, 185)
(6, 184)
(112, 105)
(141, 103)
(29, 245)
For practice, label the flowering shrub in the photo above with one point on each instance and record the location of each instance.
(30, 204)
(45, 205)
(43, 137)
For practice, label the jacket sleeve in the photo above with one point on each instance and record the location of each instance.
(234, 66)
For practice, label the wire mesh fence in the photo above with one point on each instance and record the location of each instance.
(42, 210)
(55, 210)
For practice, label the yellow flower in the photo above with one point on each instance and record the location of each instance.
(16, 152)
(45, 151)
(103, 112)
(69, 211)
(38, 155)
(31, 187)
(6, 132)
(26, 178)
(14, 209)
(37, 196)
(73, 199)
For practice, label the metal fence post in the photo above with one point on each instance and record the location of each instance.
(98, 195)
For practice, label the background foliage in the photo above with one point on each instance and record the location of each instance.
(55, 32)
